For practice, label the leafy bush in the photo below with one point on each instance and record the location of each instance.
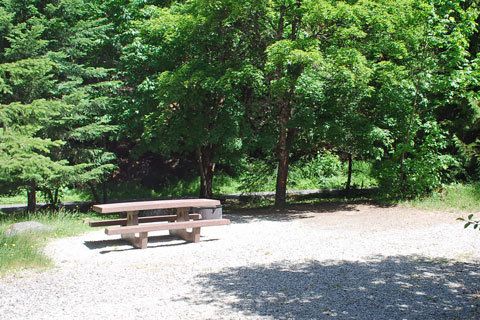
(322, 171)
(361, 174)
(425, 166)
(258, 176)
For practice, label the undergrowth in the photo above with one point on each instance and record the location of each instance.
(324, 171)
(453, 198)
(25, 250)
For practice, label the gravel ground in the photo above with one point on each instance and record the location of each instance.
(339, 261)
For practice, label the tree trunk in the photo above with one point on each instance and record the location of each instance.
(285, 114)
(283, 158)
(104, 191)
(50, 197)
(32, 199)
(349, 175)
(53, 199)
(96, 198)
(207, 171)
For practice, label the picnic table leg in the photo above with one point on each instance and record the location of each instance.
(192, 236)
(132, 219)
(137, 242)
(142, 240)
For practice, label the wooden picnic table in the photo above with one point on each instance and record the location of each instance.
(177, 223)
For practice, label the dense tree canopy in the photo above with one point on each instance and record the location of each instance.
(394, 83)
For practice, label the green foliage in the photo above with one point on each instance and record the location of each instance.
(26, 80)
(427, 170)
(324, 171)
(258, 176)
(55, 99)
(389, 82)
(187, 59)
(366, 78)
(470, 222)
(320, 170)
(25, 159)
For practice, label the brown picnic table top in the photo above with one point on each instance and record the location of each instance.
(156, 204)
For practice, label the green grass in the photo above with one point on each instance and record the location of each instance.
(67, 195)
(25, 250)
(224, 184)
(21, 251)
(19, 198)
(300, 179)
(453, 198)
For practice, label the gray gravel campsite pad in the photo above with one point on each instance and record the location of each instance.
(324, 261)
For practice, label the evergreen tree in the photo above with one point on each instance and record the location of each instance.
(55, 98)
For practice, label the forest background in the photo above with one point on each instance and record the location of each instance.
(175, 97)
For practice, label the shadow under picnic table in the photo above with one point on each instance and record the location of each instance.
(112, 245)
(396, 287)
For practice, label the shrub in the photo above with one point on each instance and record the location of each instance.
(322, 171)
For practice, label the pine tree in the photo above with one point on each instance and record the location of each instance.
(55, 99)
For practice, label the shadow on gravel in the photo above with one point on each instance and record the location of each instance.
(289, 213)
(153, 242)
(385, 288)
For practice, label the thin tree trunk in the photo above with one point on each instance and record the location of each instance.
(32, 200)
(104, 191)
(53, 199)
(50, 197)
(349, 174)
(285, 114)
(96, 198)
(207, 171)
(283, 158)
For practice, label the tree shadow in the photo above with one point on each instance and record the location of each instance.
(403, 287)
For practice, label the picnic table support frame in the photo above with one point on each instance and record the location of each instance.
(192, 236)
(140, 241)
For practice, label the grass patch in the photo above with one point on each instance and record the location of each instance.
(13, 199)
(26, 250)
(453, 198)
(21, 251)
(224, 184)
(66, 195)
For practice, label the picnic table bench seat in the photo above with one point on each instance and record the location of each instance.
(177, 224)
(123, 221)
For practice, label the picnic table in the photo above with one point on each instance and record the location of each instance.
(176, 223)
